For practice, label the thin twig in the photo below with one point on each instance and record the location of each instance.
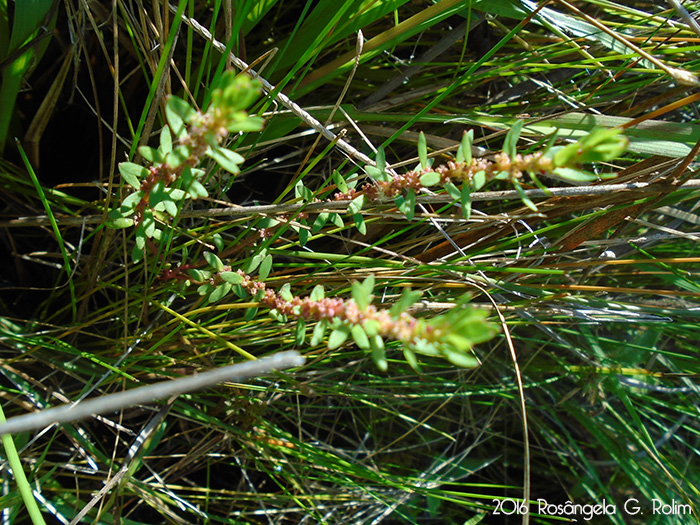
(270, 90)
(341, 206)
(521, 396)
(146, 394)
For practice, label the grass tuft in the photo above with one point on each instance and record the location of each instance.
(124, 264)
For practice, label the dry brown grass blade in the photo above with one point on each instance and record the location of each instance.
(595, 227)
(558, 207)
(551, 209)
(685, 101)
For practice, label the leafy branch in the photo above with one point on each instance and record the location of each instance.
(451, 335)
(173, 176)
(565, 162)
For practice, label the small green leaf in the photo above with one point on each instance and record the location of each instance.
(227, 159)
(137, 254)
(423, 151)
(510, 144)
(372, 327)
(352, 181)
(177, 157)
(186, 177)
(132, 173)
(338, 337)
(301, 191)
(213, 261)
(232, 277)
(479, 180)
(407, 299)
(199, 275)
(176, 195)
(459, 156)
(319, 332)
(265, 267)
(600, 145)
(523, 196)
(461, 359)
(379, 172)
(339, 182)
(277, 316)
(411, 358)
(424, 347)
(166, 142)
(303, 236)
(219, 292)
(286, 292)
(362, 292)
(430, 179)
(300, 332)
(250, 314)
(149, 223)
(337, 220)
(381, 159)
(140, 237)
(360, 223)
(267, 222)
(410, 204)
(466, 201)
(218, 241)
(378, 353)
(356, 204)
(360, 337)
(453, 191)
(150, 154)
(317, 293)
(407, 204)
(196, 190)
(464, 152)
(235, 91)
(120, 222)
(457, 341)
(578, 176)
(372, 171)
(360, 296)
(178, 112)
(319, 222)
(157, 194)
(167, 206)
(205, 289)
(474, 326)
(246, 125)
(256, 260)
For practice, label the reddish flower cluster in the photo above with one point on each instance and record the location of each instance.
(203, 128)
(404, 328)
(454, 172)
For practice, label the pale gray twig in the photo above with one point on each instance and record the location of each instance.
(685, 15)
(146, 394)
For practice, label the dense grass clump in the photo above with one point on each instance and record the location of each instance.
(475, 220)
